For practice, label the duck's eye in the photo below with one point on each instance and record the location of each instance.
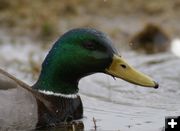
(123, 66)
(89, 45)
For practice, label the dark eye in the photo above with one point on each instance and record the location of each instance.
(89, 45)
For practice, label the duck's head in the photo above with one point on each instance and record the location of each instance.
(81, 52)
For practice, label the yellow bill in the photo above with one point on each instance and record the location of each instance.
(121, 69)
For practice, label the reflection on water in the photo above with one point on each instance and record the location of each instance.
(116, 104)
(67, 126)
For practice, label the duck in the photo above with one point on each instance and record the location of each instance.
(55, 98)
(151, 40)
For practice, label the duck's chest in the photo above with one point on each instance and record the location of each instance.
(58, 109)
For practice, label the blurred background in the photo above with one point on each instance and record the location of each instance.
(48, 19)
(145, 32)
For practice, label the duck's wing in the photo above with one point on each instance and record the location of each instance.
(18, 106)
(18, 103)
(8, 81)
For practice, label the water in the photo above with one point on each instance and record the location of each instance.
(120, 105)
(114, 104)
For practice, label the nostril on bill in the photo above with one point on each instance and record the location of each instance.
(123, 66)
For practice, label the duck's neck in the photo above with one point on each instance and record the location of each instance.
(56, 78)
(57, 87)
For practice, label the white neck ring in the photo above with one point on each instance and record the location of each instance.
(73, 96)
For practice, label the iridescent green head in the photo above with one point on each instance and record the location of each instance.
(78, 53)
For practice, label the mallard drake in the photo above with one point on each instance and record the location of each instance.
(54, 97)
